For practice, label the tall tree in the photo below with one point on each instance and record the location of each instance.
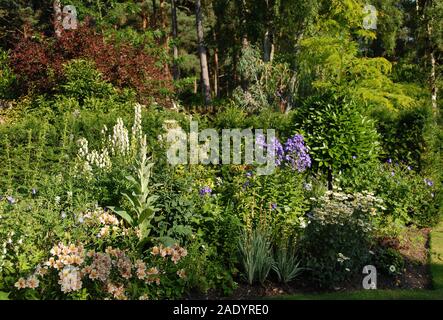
(174, 29)
(58, 27)
(430, 41)
(202, 54)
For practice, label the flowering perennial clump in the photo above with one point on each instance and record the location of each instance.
(100, 217)
(117, 144)
(341, 208)
(112, 268)
(293, 153)
(296, 153)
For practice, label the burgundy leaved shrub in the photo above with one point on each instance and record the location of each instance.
(38, 64)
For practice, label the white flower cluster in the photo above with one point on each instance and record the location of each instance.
(341, 209)
(137, 133)
(118, 143)
(119, 140)
(94, 158)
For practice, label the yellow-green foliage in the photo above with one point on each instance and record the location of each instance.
(330, 62)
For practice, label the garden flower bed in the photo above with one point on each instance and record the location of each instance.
(220, 154)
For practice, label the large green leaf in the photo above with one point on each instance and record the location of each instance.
(123, 214)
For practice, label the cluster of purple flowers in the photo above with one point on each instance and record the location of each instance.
(205, 191)
(276, 151)
(297, 153)
(293, 153)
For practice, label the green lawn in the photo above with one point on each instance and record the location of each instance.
(436, 260)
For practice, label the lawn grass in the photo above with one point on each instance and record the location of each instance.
(436, 264)
(436, 245)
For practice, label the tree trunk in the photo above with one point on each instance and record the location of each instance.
(174, 26)
(433, 73)
(267, 46)
(144, 15)
(216, 89)
(58, 26)
(433, 82)
(330, 178)
(154, 13)
(165, 38)
(202, 54)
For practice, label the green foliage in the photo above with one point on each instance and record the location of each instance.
(409, 198)
(83, 81)
(389, 261)
(407, 135)
(255, 255)
(269, 85)
(364, 79)
(286, 264)
(279, 198)
(337, 132)
(336, 244)
(7, 77)
(142, 210)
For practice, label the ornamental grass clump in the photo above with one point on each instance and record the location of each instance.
(286, 264)
(255, 254)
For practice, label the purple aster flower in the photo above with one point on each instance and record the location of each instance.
(34, 191)
(249, 174)
(10, 199)
(354, 157)
(246, 184)
(273, 206)
(389, 161)
(392, 173)
(205, 191)
(409, 168)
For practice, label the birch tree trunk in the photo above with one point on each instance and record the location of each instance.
(202, 54)
(433, 82)
(174, 26)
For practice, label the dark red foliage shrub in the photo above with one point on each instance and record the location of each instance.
(38, 64)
